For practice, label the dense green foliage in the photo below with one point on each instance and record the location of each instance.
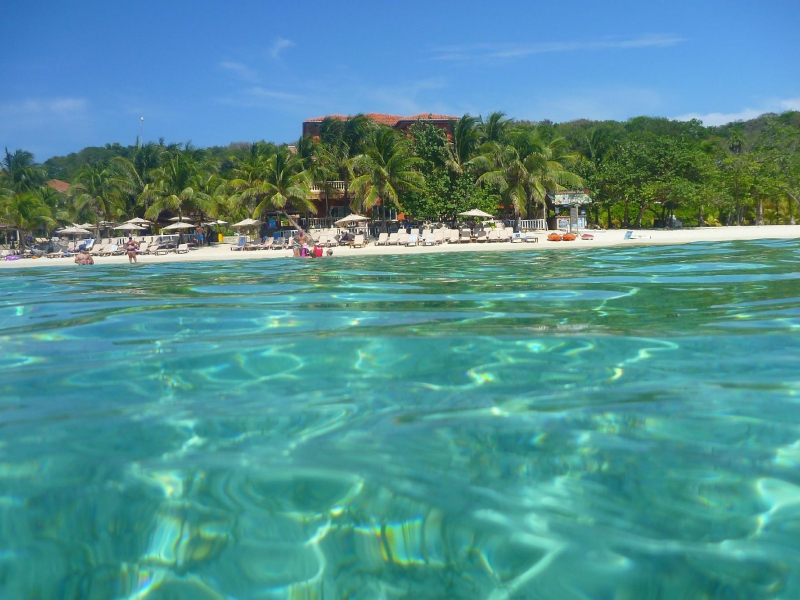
(642, 172)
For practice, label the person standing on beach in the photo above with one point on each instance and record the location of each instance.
(130, 248)
(302, 243)
(201, 234)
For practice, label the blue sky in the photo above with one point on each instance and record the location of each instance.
(75, 74)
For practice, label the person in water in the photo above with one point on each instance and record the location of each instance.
(84, 258)
(130, 248)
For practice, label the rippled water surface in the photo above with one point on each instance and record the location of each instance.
(614, 424)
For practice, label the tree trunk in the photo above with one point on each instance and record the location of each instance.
(701, 222)
(608, 216)
(638, 222)
(626, 220)
(297, 226)
(760, 212)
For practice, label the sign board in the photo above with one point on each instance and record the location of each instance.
(571, 198)
(573, 219)
(563, 223)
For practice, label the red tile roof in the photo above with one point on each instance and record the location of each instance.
(58, 185)
(390, 120)
(430, 117)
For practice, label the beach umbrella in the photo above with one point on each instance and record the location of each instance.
(84, 225)
(173, 219)
(74, 230)
(130, 227)
(138, 221)
(476, 213)
(179, 225)
(247, 223)
(352, 218)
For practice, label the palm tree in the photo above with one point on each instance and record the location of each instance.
(385, 169)
(343, 140)
(131, 175)
(278, 182)
(94, 190)
(172, 188)
(21, 204)
(495, 127)
(526, 169)
(25, 212)
(466, 139)
(20, 173)
(324, 170)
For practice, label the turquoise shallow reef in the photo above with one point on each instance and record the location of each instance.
(615, 424)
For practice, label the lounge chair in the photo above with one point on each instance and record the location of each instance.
(428, 239)
(402, 239)
(358, 241)
(393, 238)
(492, 236)
(164, 250)
(182, 249)
(383, 238)
(241, 244)
(97, 250)
(440, 236)
(413, 239)
(143, 248)
(465, 236)
(530, 237)
(481, 236)
(267, 244)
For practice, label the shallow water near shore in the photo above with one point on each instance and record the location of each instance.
(620, 423)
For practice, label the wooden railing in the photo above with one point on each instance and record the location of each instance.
(529, 224)
(331, 185)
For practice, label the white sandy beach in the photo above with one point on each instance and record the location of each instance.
(602, 239)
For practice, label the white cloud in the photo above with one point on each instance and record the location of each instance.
(512, 51)
(41, 108)
(279, 46)
(714, 119)
(790, 104)
(241, 71)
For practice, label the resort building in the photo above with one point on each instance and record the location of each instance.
(311, 126)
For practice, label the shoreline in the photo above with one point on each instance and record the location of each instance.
(603, 238)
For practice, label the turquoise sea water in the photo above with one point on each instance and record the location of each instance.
(612, 424)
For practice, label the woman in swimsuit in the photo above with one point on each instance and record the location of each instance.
(131, 247)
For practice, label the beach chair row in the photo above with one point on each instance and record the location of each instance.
(436, 237)
(116, 247)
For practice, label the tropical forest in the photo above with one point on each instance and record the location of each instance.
(644, 172)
